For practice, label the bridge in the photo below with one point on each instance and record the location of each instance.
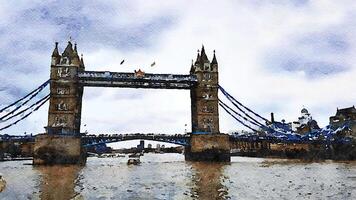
(63, 142)
(131, 80)
(92, 139)
(178, 139)
(182, 139)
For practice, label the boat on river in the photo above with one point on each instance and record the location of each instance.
(135, 155)
(2, 183)
(133, 161)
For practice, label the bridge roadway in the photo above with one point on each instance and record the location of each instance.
(179, 139)
(132, 80)
(90, 140)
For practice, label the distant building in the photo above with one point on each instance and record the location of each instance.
(163, 146)
(345, 116)
(141, 146)
(158, 147)
(149, 146)
(305, 123)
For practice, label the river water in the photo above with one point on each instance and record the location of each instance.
(168, 176)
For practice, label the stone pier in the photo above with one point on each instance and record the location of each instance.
(208, 148)
(62, 142)
(58, 149)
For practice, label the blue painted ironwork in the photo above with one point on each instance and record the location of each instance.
(89, 140)
(38, 103)
(92, 140)
(278, 132)
(33, 93)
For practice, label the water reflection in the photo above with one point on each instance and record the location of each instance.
(209, 181)
(58, 182)
(169, 177)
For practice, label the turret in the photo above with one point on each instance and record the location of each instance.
(55, 55)
(81, 62)
(75, 57)
(192, 68)
(202, 62)
(67, 55)
(203, 57)
(214, 63)
(198, 59)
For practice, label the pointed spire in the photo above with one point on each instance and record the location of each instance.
(203, 56)
(198, 58)
(55, 51)
(75, 52)
(68, 52)
(192, 68)
(214, 61)
(75, 48)
(81, 60)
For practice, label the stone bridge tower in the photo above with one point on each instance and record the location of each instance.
(62, 143)
(205, 110)
(66, 94)
(206, 142)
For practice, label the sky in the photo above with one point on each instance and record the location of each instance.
(274, 56)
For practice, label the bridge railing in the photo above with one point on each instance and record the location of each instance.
(123, 76)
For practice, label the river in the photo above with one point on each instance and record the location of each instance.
(168, 176)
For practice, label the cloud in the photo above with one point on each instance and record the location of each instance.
(274, 56)
(314, 54)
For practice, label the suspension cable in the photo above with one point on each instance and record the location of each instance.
(232, 99)
(39, 88)
(19, 113)
(227, 94)
(237, 118)
(240, 109)
(252, 122)
(22, 104)
(260, 126)
(25, 116)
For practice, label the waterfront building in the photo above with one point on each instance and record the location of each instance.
(141, 146)
(305, 123)
(345, 116)
(158, 147)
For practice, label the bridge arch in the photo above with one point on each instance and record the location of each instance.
(182, 140)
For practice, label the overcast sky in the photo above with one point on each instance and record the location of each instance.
(274, 56)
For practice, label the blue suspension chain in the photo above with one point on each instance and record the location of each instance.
(35, 90)
(238, 107)
(231, 99)
(22, 111)
(22, 104)
(221, 102)
(237, 118)
(227, 94)
(263, 127)
(25, 116)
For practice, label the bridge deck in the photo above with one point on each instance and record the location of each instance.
(131, 80)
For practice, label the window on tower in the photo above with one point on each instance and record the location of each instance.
(207, 96)
(207, 77)
(206, 66)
